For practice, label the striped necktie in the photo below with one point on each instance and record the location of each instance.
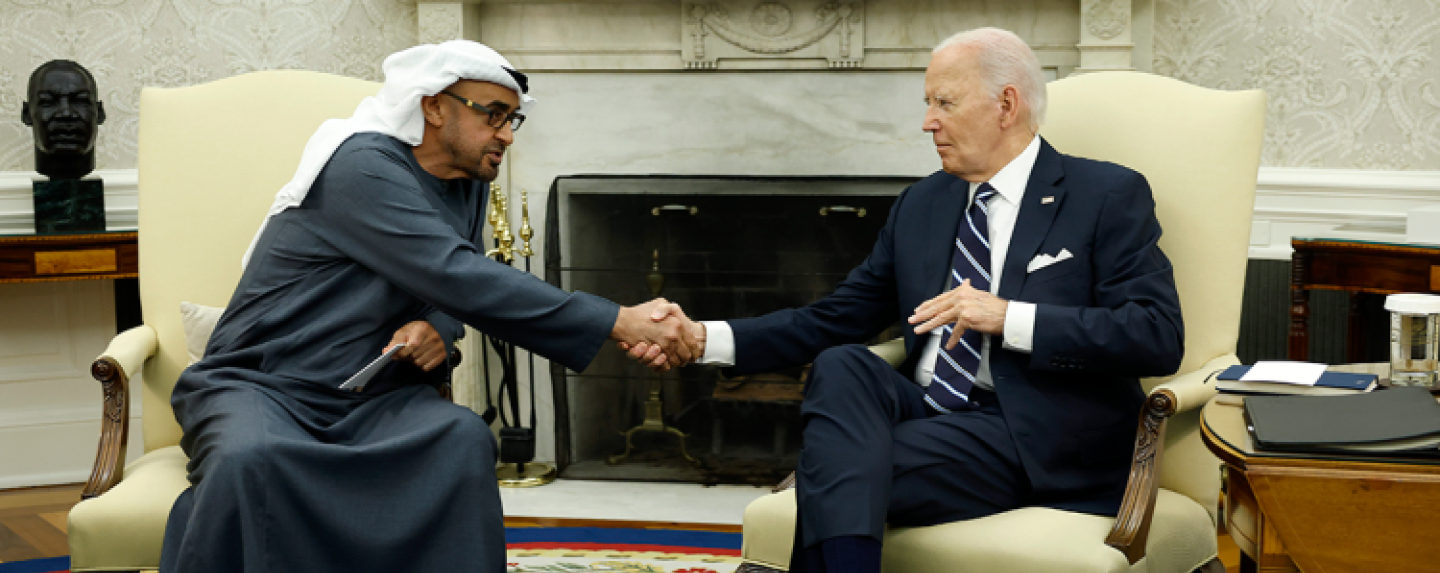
(955, 369)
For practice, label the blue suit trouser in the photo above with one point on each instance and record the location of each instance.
(874, 453)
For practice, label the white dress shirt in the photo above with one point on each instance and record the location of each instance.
(1009, 184)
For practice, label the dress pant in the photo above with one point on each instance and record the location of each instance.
(874, 452)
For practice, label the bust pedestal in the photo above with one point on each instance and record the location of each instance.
(69, 206)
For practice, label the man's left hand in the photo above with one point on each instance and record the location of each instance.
(966, 308)
(423, 346)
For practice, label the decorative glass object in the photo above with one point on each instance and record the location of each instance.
(1414, 334)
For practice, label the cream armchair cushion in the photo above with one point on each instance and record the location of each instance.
(1028, 539)
(211, 158)
(1200, 151)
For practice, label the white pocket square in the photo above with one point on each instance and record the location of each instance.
(1043, 260)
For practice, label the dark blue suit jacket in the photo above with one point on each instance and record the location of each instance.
(1104, 318)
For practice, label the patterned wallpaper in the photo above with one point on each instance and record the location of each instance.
(128, 44)
(1353, 84)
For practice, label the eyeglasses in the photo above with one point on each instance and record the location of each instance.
(497, 118)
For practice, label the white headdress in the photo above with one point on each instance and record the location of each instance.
(409, 75)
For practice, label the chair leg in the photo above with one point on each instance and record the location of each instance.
(1247, 565)
(748, 567)
(1212, 566)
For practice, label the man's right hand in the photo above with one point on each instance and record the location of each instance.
(655, 357)
(664, 335)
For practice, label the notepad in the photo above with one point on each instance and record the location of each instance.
(370, 370)
(1233, 380)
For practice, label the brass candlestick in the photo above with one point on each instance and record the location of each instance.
(654, 407)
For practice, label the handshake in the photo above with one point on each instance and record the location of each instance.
(659, 335)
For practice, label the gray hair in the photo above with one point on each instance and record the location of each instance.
(1004, 60)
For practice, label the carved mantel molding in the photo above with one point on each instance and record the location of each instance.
(700, 35)
(769, 31)
(1105, 35)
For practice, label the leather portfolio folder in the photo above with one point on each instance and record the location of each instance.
(1401, 420)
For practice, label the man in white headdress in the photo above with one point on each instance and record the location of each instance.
(373, 243)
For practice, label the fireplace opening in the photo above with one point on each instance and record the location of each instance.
(722, 248)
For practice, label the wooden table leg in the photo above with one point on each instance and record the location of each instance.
(1354, 330)
(1299, 339)
(1247, 565)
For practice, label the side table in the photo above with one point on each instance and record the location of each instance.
(1322, 514)
(38, 258)
(1355, 267)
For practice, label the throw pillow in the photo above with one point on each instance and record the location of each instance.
(198, 321)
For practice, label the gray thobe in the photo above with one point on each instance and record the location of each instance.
(290, 473)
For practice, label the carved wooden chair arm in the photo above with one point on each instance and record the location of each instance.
(1137, 509)
(125, 355)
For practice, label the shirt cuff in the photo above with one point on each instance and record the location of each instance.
(719, 344)
(1020, 327)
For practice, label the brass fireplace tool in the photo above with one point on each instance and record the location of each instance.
(517, 443)
(504, 250)
(654, 408)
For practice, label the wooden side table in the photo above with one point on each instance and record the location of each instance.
(1355, 267)
(1323, 514)
(38, 258)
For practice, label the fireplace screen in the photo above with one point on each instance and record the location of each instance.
(721, 247)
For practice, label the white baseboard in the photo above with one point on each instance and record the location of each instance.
(55, 446)
(44, 479)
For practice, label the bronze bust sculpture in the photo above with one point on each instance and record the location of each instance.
(63, 110)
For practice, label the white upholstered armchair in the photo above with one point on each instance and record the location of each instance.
(1200, 150)
(211, 159)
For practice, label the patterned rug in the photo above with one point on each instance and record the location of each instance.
(581, 549)
(571, 550)
(49, 565)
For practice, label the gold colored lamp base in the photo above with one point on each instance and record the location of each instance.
(534, 474)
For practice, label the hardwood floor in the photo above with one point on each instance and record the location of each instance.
(32, 521)
(32, 525)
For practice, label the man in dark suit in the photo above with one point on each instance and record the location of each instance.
(1021, 386)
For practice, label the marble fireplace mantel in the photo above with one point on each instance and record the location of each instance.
(699, 35)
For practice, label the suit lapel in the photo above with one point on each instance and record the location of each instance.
(946, 210)
(1034, 220)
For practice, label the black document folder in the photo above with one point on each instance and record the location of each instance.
(1401, 420)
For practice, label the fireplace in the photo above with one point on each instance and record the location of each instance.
(721, 247)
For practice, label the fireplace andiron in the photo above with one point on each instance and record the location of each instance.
(654, 408)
